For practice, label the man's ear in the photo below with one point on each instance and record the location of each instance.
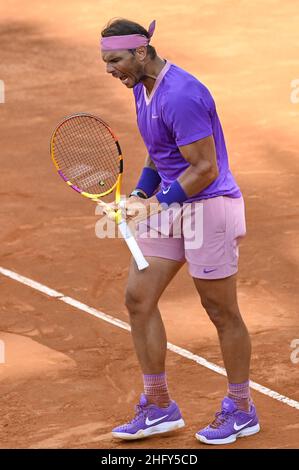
(141, 53)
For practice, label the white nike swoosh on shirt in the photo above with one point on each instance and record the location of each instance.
(165, 191)
(155, 117)
(148, 422)
(237, 428)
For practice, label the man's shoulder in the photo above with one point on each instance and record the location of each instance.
(182, 84)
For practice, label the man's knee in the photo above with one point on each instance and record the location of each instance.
(222, 315)
(137, 302)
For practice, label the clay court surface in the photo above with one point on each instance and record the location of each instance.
(68, 377)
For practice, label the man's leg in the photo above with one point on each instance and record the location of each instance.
(238, 415)
(143, 292)
(156, 413)
(219, 298)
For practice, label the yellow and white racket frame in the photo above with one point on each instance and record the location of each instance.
(124, 229)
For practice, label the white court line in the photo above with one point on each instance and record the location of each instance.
(125, 326)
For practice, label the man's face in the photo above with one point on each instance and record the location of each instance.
(124, 65)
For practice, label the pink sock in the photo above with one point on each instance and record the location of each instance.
(240, 394)
(156, 390)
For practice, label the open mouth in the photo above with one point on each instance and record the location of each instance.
(124, 79)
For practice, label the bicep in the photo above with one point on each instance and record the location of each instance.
(200, 151)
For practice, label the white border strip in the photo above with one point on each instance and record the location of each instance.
(125, 326)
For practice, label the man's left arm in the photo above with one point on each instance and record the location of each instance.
(203, 169)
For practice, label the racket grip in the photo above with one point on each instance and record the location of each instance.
(133, 246)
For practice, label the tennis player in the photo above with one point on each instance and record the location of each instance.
(187, 165)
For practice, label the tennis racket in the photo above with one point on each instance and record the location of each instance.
(88, 157)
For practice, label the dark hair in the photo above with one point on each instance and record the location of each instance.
(122, 27)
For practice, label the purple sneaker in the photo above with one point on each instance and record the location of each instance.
(229, 424)
(149, 420)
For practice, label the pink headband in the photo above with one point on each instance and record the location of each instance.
(129, 41)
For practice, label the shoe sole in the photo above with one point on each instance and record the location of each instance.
(228, 440)
(158, 429)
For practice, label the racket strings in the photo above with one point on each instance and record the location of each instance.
(102, 146)
(106, 149)
(87, 154)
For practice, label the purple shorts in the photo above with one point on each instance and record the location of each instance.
(204, 233)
